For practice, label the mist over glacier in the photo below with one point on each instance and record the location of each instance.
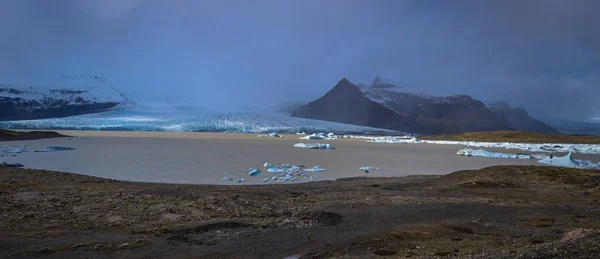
(239, 55)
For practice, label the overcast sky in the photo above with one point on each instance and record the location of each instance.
(542, 55)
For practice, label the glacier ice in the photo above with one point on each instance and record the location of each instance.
(314, 145)
(321, 136)
(253, 171)
(186, 121)
(275, 170)
(14, 150)
(564, 161)
(568, 161)
(485, 153)
(530, 147)
(315, 169)
(54, 148)
(270, 135)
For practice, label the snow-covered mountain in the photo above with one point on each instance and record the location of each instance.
(445, 114)
(70, 95)
(456, 113)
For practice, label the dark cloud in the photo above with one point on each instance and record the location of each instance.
(543, 55)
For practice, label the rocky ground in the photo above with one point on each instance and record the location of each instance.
(495, 212)
(10, 135)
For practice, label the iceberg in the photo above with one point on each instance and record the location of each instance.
(240, 180)
(564, 161)
(266, 179)
(568, 161)
(18, 150)
(253, 171)
(227, 178)
(394, 140)
(530, 147)
(54, 148)
(270, 135)
(321, 136)
(315, 169)
(267, 165)
(314, 145)
(485, 153)
(275, 170)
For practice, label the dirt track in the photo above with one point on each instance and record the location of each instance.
(502, 211)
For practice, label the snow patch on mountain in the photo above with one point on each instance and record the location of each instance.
(69, 90)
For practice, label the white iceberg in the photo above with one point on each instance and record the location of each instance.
(315, 169)
(253, 171)
(14, 150)
(240, 180)
(568, 161)
(227, 178)
(54, 148)
(270, 135)
(266, 179)
(275, 170)
(485, 153)
(531, 147)
(321, 136)
(394, 140)
(314, 145)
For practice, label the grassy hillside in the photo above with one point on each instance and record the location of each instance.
(516, 136)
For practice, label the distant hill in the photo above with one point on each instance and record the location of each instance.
(520, 118)
(346, 103)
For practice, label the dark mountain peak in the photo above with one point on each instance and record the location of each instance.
(343, 81)
(346, 103)
(346, 86)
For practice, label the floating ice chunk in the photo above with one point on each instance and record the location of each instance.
(266, 179)
(315, 169)
(531, 147)
(565, 161)
(240, 180)
(368, 169)
(274, 178)
(15, 150)
(395, 140)
(227, 178)
(253, 171)
(300, 133)
(314, 145)
(321, 136)
(267, 165)
(484, 153)
(54, 148)
(270, 135)
(275, 170)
